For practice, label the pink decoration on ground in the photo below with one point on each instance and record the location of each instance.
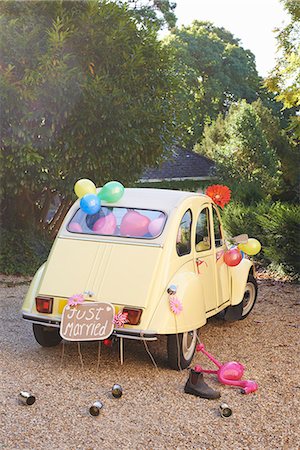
(75, 227)
(229, 373)
(76, 299)
(134, 224)
(175, 304)
(120, 319)
(105, 225)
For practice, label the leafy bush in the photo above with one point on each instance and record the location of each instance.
(275, 225)
(281, 228)
(22, 252)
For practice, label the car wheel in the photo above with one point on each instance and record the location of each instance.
(46, 336)
(181, 349)
(250, 296)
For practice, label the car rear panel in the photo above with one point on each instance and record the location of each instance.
(117, 273)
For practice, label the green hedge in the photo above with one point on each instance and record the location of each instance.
(22, 252)
(275, 225)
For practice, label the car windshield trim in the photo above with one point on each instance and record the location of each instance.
(152, 218)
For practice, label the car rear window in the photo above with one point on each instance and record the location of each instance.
(116, 221)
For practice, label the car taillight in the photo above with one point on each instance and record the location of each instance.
(133, 315)
(44, 304)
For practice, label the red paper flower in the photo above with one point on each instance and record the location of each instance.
(219, 194)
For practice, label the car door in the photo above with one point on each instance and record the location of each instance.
(205, 257)
(222, 273)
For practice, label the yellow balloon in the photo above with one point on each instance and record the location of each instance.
(252, 247)
(83, 187)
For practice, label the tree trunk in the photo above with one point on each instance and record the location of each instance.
(60, 214)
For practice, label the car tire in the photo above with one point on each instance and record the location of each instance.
(250, 296)
(46, 336)
(181, 348)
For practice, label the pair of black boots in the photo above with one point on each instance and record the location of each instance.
(196, 385)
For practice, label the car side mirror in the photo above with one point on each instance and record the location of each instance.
(240, 239)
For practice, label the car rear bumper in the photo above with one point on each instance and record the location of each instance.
(126, 333)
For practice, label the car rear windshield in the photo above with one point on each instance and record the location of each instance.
(116, 221)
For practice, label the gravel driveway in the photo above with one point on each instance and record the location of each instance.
(154, 412)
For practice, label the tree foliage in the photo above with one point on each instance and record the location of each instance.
(214, 72)
(275, 225)
(85, 92)
(284, 79)
(252, 153)
(158, 13)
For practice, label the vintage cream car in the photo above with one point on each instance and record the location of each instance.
(135, 254)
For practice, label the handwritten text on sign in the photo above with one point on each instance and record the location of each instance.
(89, 321)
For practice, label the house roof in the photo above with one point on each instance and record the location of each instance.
(180, 164)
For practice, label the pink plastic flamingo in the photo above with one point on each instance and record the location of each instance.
(229, 373)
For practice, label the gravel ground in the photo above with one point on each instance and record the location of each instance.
(154, 412)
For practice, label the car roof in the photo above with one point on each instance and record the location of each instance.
(157, 199)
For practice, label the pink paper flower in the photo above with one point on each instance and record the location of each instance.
(76, 299)
(175, 304)
(120, 319)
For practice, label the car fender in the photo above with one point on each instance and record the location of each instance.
(192, 316)
(239, 276)
(31, 294)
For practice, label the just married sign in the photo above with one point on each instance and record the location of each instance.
(88, 321)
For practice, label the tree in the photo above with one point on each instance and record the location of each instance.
(158, 13)
(85, 92)
(214, 72)
(284, 80)
(249, 150)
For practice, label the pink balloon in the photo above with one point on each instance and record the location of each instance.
(233, 257)
(75, 226)
(106, 224)
(155, 226)
(134, 224)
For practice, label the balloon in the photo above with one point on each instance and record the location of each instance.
(106, 224)
(75, 227)
(252, 247)
(134, 224)
(91, 219)
(111, 192)
(90, 204)
(232, 257)
(155, 226)
(83, 187)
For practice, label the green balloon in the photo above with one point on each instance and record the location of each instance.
(111, 192)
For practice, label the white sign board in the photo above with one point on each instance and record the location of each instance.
(88, 321)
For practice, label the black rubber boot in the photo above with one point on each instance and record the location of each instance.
(195, 385)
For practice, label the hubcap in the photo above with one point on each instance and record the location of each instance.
(188, 344)
(249, 298)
